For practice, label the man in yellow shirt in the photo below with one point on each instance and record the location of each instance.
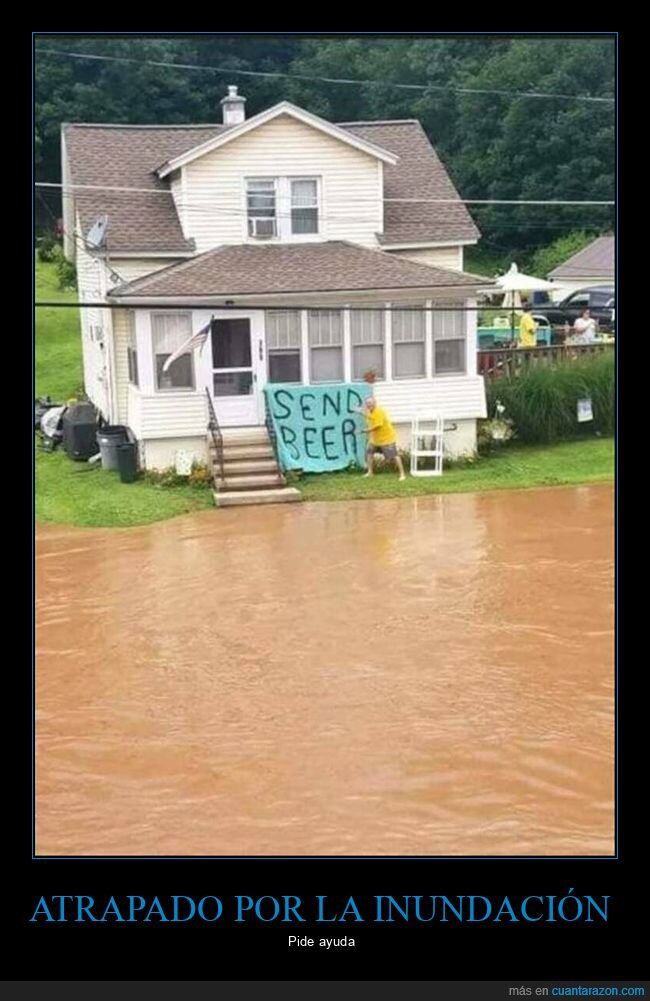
(382, 437)
(527, 329)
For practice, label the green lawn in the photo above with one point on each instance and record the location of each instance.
(590, 461)
(58, 345)
(76, 493)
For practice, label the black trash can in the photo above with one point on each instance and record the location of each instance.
(127, 461)
(80, 431)
(110, 437)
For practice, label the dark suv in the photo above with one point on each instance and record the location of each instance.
(600, 301)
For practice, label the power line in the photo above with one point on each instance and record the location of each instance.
(324, 79)
(327, 307)
(72, 236)
(75, 237)
(401, 201)
(210, 208)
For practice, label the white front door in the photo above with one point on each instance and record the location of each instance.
(237, 372)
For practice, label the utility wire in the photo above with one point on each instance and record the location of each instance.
(324, 79)
(75, 237)
(401, 201)
(131, 198)
(451, 308)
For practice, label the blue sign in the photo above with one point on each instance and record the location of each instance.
(317, 427)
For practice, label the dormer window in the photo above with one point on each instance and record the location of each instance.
(304, 205)
(283, 208)
(261, 208)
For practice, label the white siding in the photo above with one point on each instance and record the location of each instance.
(215, 207)
(160, 453)
(460, 437)
(91, 281)
(168, 415)
(130, 268)
(437, 257)
(458, 397)
(67, 200)
(106, 375)
(177, 185)
(166, 423)
(120, 344)
(134, 410)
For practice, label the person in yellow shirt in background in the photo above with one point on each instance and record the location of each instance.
(527, 329)
(382, 437)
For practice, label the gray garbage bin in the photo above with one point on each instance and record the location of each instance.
(109, 437)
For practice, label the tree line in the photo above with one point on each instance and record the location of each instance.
(494, 145)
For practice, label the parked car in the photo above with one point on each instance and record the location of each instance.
(600, 301)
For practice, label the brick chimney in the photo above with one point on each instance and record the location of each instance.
(233, 109)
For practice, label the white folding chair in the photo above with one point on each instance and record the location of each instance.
(427, 442)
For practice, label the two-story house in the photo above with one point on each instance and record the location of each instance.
(220, 225)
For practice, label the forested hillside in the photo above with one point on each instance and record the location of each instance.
(498, 144)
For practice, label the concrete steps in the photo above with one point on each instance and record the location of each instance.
(252, 452)
(242, 467)
(255, 481)
(251, 473)
(244, 436)
(235, 498)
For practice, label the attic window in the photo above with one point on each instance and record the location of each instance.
(304, 205)
(282, 207)
(261, 208)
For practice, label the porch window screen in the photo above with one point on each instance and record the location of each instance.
(304, 206)
(132, 352)
(261, 207)
(367, 335)
(326, 344)
(283, 345)
(170, 330)
(409, 333)
(449, 337)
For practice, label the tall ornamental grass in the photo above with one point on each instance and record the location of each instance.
(542, 401)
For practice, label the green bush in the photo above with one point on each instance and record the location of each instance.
(47, 248)
(200, 477)
(546, 258)
(542, 402)
(65, 270)
(493, 434)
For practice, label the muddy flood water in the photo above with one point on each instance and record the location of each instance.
(426, 676)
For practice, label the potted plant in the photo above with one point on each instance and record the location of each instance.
(500, 428)
(370, 375)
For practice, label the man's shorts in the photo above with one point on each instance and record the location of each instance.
(388, 451)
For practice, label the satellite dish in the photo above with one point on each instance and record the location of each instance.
(97, 232)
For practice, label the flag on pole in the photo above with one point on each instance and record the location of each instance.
(196, 340)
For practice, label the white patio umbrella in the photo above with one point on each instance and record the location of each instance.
(513, 283)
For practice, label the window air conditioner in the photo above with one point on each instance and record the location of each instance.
(261, 229)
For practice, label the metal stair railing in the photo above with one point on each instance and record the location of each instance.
(215, 432)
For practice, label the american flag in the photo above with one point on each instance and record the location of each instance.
(196, 340)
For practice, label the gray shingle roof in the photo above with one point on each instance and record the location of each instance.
(127, 156)
(596, 260)
(312, 267)
(419, 174)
